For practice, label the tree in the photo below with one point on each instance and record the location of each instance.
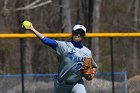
(95, 28)
(135, 43)
(66, 16)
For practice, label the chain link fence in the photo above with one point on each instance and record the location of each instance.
(43, 83)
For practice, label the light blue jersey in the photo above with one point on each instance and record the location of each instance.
(71, 56)
(71, 59)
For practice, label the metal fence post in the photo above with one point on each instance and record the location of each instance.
(22, 64)
(125, 82)
(112, 64)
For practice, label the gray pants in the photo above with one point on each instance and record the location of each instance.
(66, 88)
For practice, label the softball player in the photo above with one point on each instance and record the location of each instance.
(71, 55)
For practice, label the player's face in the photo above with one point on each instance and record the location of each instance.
(77, 38)
(78, 35)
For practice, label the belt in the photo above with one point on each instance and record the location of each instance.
(67, 83)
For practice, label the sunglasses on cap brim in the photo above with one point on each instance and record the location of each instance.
(78, 31)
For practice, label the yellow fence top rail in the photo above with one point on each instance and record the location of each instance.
(65, 35)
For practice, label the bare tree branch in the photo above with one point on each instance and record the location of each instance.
(32, 5)
(56, 5)
(41, 4)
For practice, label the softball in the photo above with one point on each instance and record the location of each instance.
(26, 24)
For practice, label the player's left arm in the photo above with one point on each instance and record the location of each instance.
(94, 66)
(94, 63)
(93, 60)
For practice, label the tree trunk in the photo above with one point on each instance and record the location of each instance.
(95, 28)
(66, 16)
(28, 49)
(26, 46)
(135, 49)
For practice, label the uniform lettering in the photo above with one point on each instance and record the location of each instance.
(76, 59)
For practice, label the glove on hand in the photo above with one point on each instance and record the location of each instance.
(87, 69)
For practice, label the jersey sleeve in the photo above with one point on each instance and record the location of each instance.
(61, 49)
(50, 42)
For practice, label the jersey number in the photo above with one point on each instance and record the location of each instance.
(79, 65)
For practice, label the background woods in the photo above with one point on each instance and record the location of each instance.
(54, 16)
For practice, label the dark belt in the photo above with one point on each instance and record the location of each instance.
(67, 83)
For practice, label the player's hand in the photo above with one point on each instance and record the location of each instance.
(27, 25)
(30, 27)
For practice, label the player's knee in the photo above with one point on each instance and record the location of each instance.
(79, 88)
